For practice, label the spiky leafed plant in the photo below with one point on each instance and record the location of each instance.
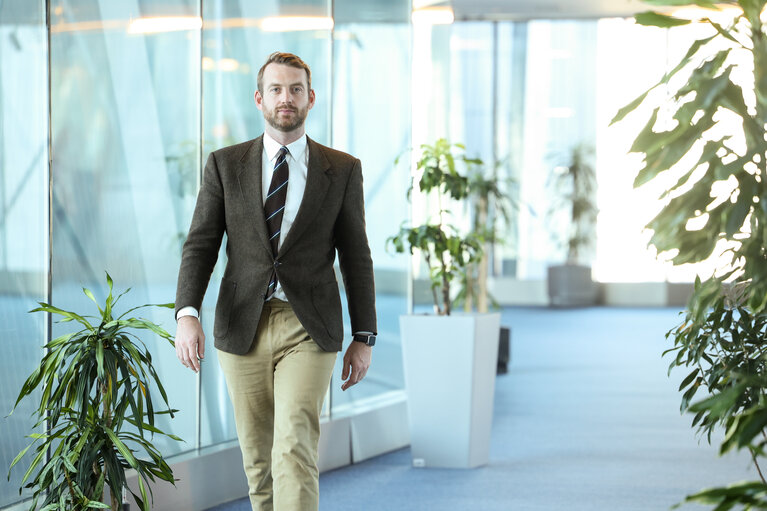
(716, 205)
(445, 250)
(95, 412)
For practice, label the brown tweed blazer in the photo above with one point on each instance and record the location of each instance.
(331, 218)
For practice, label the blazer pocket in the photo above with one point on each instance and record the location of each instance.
(224, 307)
(327, 303)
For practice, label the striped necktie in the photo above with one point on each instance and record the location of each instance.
(274, 206)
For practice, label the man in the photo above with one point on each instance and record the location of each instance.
(287, 204)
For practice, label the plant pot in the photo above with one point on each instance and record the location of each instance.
(570, 285)
(504, 350)
(450, 364)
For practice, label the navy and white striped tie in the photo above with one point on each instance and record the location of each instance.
(274, 207)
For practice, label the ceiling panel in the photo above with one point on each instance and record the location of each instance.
(545, 9)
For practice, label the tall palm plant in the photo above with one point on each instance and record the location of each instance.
(575, 188)
(488, 195)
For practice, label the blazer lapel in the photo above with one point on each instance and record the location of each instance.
(249, 175)
(317, 183)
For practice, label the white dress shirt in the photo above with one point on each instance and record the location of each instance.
(298, 164)
(298, 159)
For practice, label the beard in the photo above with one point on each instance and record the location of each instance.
(286, 124)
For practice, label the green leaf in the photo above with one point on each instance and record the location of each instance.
(720, 403)
(736, 216)
(723, 32)
(18, 458)
(690, 377)
(153, 429)
(89, 294)
(124, 450)
(697, 45)
(736, 491)
(142, 489)
(68, 316)
(750, 427)
(655, 19)
(93, 504)
(110, 283)
(623, 112)
(100, 358)
(35, 462)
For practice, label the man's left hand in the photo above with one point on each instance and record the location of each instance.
(356, 363)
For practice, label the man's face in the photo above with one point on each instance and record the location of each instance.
(286, 99)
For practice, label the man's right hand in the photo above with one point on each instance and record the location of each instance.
(190, 342)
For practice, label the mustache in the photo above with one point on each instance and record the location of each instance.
(285, 107)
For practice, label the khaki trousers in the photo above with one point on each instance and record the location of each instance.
(277, 390)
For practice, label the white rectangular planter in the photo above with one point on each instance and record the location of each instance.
(450, 364)
(571, 285)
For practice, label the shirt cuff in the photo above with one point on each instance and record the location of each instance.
(187, 311)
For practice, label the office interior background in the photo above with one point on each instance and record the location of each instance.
(108, 110)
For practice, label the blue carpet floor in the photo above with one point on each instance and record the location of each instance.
(586, 419)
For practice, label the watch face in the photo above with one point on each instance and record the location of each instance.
(370, 340)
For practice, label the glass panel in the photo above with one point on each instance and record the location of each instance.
(631, 58)
(560, 112)
(236, 42)
(510, 62)
(471, 89)
(125, 125)
(23, 220)
(371, 120)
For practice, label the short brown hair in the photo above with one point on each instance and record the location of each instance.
(287, 59)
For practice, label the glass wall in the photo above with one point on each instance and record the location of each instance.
(371, 120)
(628, 65)
(125, 125)
(140, 92)
(23, 218)
(523, 95)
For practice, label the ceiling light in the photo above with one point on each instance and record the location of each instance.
(433, 16)
(87, 26)
(164, 24)
(208, 64)
(228, 65)
(295, 23)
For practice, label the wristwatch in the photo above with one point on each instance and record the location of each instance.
(369, 339)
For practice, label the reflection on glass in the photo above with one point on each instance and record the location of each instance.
(371, 120)
(522, 95)
(125, 135)
(23, 220)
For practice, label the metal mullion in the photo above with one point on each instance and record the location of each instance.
(198, 386)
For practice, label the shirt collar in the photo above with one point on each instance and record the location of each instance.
(295, 148)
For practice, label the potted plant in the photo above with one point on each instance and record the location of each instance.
(718, 116)
(575, 185)
(95, 412)
(449, 360)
